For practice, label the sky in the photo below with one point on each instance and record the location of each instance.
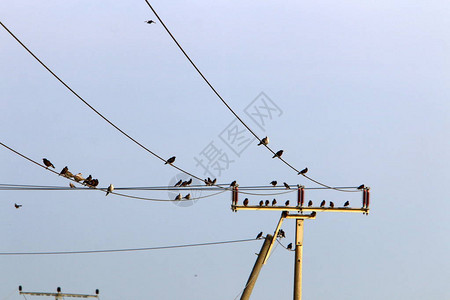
(360, 91)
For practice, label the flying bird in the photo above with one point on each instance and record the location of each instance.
(303, 171)
(289, 247)
(47, 163)
(286, 203)
(245, 201)
(64, 171)
(361, 187)
(274, 183)
(233, 184)
(110, 189)
(261, 203)
(178, 183)
(267, 202)
(178, 197)
(322, 204)
(72, 186)
(17, 206)
(150, 22)
(187, 197)
(286, 185)
(346, 204)
(264, 141)
(331, 204)
(310, 203)
(170, 160)
(259, 235)
(78, 177)
(274, 202)
(278, 154)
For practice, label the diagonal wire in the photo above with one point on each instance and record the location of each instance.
(229, 107)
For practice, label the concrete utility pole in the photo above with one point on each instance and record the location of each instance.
(298, 260)
(257, 268)
(58, 295)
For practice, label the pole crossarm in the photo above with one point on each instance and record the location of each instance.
(301, 209)
(58, 294)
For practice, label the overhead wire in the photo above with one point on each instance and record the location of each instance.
(229, 107)
(103, 189)
(127, 249)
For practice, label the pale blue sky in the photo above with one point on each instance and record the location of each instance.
(363, 86)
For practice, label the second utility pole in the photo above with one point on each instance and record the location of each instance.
(298, 260)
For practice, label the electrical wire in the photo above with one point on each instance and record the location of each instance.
(105, 190)
(278, 240)
(128, 249)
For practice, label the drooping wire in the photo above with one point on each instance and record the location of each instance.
(127, 249)
(229, 107)
(105, 190)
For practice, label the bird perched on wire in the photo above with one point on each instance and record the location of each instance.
(184, 183)
(170, 160)
(68, 174)
(361, 187)
(286, 185)
(259, 235)
(267, 202)
(72, 186)
(150, 22)
(233, 184)
(261, 203)
(286, 203)
(189, 182)
(331, 204)
(94, 183)
(87, 180)
(281, 233)
(178, 183)
(322, 204)
(346, 204)
(178, 197)
(17, 206)
(78, 177)
(274, 202)
(313, 214)
(64, 171)
(187, 197)
(47, 163)
(110, 189)
(278, 154)
(214, 181)
(245, 202)
(289, 247)
(264, 141)
(310, 203)
(274, 183)
(303, 171)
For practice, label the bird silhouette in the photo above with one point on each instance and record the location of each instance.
(286, 185)
(189, 182)
(281, 233)
(267, 202)
(289, 247)
(183, 184)
(261, 203)
(187, 197)
(361, 187)
(245, 201)
(322, 204)
(347, 203)
(88, 180)
(178, 197)
(274, 202)
(214, 181)
(150, 22)
(72, 186)
(310, 203)
(78, 177)
(331, 204)
(17, 206)
(64, 171)
(170, 160)
(264, 141)
(68, 174)
(274, 183)
(278, 154)
(286, 203)
(259, 235)
(94, 183)
(233, 184)
(303, 171)
(178, 183)
(313, 214)
(110, 189)
(47, 163)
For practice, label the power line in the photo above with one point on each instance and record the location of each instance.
(229, 107)
(104, 190)
(128, 249)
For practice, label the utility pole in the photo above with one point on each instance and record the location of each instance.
(297, 295)
(257, 268)
(58, 295)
